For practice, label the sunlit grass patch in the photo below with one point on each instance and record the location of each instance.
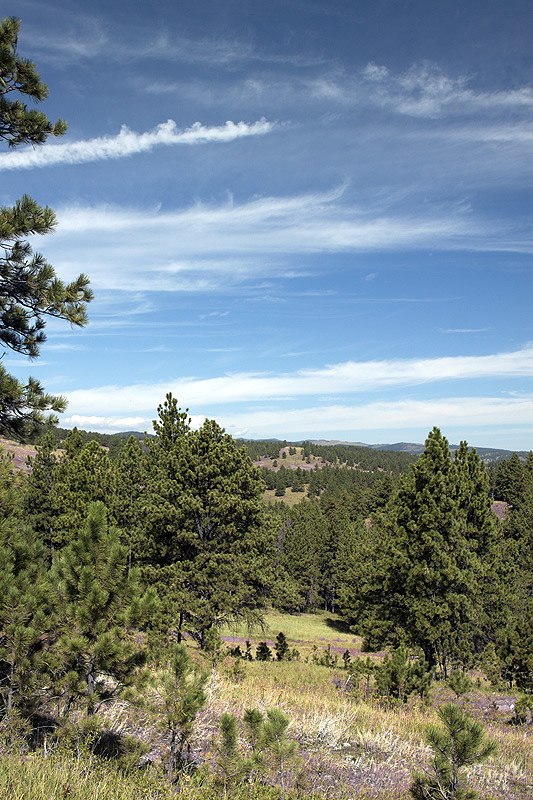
(321, 628)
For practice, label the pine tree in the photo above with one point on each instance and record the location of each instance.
(301, 538)
(41, 497)
(514, 635)
(230, 765)
(12, 487)
(281, 750)
(99, 602)
(419, 577)
(207, 533)
(29, 288)
(263, 652)
(129, 497)
(281, 647)
(25, 618)
(461, 744)
(85, 476)
(183, 697)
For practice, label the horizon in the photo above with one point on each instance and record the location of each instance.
(307, 221)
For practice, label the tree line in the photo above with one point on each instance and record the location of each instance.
(428, 566)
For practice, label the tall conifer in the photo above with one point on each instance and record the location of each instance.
(421, 580)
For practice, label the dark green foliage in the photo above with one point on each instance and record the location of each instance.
(269, 753)
(41, 498)
(183, 693)
(25, 618)
(18, 125)
(523, 710)
(398, 677)
(208, 541)
(459, 682)
(98, 602)
(514, 635)
(281, 647)
(461, 744)
(230, 765)
(280, 749)
(263, 652)
(29, 288)
(12, 488)
(364, 667)
(129, 497)
(509, 480)
(253, 721)
(514, 648)
(324, 658)
(84, 476)
(213, 646)
(425, 571)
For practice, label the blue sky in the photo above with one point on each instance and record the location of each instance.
(306, 219)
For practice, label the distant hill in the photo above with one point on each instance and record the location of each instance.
(114, 442)
(487, 454)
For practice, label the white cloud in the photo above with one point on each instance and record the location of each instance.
(466, 412)
(347, 377)
(208, 247)
(464, 330)
(88, 38)
(115, 424)
(63, 346)
(103, 423)
(423, 90)
(128, 143)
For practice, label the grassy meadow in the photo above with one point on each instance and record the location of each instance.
(348, 745)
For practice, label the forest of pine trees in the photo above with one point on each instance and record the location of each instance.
(173, 538)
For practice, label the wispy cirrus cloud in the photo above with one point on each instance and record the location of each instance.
(128, 143)
(425, 90)
(210, 247)
(464, 330)
(343, 378)
(86, 37)
(205, 247)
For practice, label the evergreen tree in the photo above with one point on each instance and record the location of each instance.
(461, 744)
(263, 652)
(418, 577)
(514, 635)
(230, 765)
(301, 537)
(183, 692)
(84, 476)
(12, 487)
(25, 618)
(207, 535)
(511, 475)
(29, 288)
(281, 750)
(281, 647)
(41, 497)
(99, 602)
(129, 497)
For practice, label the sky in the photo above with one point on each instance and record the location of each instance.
(307, 219)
